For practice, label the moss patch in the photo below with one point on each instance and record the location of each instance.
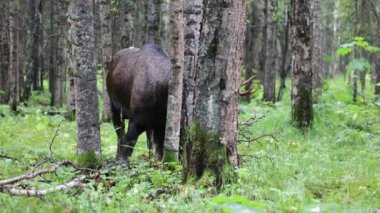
(203, 154)
(88, 160)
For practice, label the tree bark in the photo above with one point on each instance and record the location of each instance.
(250, 46)
(270, 52)
(301, 28)
(213, 134)
(153, 34)
(32, 46)
(173, 118)
(106, 41)
(317, 51)
(14, 67)
(285, 58)
(86, 99)
(60, 53)
(193, 15)
(377, 56)
(4, 52)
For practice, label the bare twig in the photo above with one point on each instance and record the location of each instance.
(248, 139)
(34, 174)
(49, 159)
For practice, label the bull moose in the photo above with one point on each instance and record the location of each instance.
(137, 83)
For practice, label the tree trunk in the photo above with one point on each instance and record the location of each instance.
(193, 15)
(213, 133)
(61, 58)
(128, 24)
(377, 56)
(285, 59)
(106, 41)
(14, 66)
(4, 53)
(153, 34)
(52, 50)
(317, 51)
(301, 28)
(32, 63)
(86, 98)
(259, 38)
(250, 50)
(165, 25)
(173, 118)
(270, 52)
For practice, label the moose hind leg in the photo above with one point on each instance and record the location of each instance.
(158, 140)
(118, 123)
(129, 142)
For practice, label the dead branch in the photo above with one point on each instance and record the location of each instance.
(34, 174)
(49, 159)
(251, 120)
(77, 182)
(248, 139)
(7, 157)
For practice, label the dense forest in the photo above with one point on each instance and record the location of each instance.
(190, 106)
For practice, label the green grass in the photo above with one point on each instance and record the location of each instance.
(335, 167)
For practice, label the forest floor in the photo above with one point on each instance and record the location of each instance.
(335, 167)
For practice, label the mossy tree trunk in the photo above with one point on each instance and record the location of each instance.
(86, 99)
(301, 29)
(173, 118)
(210, 144)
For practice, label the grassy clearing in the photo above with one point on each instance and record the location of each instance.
(333, 168)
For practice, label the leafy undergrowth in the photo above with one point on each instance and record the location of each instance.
(333, 168)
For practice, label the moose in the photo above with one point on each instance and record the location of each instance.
(137, 83)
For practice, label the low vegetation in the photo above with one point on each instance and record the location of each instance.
(335, 167)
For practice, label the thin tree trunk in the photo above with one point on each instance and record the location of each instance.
(249, 47)
(213, 134)
(173, 118)
(14, 67)
(86, 99)
(270, 52)
(153, 34)
(4, 53)
(317, 51)
(106, 41)
(301, 28)
(165, 25)
(61, 58)
(52, 50)
(285, 59)
(32, 48)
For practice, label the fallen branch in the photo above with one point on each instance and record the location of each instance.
(34, 174)
(7, 157)
(77, 182)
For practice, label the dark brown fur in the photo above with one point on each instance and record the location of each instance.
(138, 87)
